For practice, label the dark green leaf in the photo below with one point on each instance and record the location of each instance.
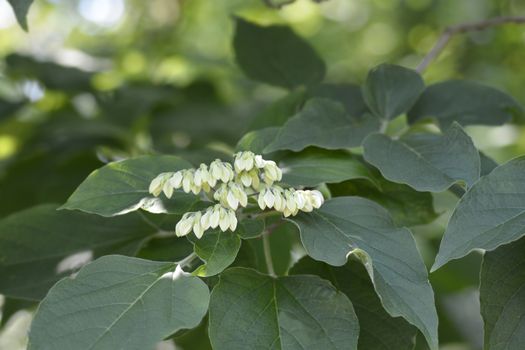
(326, 124)
(276, 55)
(121, 187)
(8, 108)
(313, 167)
(502, 297)
(118, 302)
(426, 162)
(21, 8)
(40, 245)
(256, 141)
(466, 102)
(250, 228)
(490, 214)
(349, 95)
(218, 250)
(347, 226)
(280, 111)
(378, 330)
(392, 90)
(170, 248)
(249, 310)
(407, 206)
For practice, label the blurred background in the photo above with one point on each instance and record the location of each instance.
(100, 80)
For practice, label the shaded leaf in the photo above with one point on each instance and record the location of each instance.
(40, 245)
(21, 8)
(280, 111)
(256, 141)
(392, 90)
(276, 55)
(426, 162)
(490, 214)
(346, 226)
(118, 302)
(465, 102)
(502, 297)
(313, 167)
(250, 228)
(349, 95)
(249, 310)
(121, 187)
(378, 330)
(323, 123)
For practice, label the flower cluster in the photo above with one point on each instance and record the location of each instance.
(232, 185)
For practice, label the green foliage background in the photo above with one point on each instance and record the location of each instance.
(75, 95)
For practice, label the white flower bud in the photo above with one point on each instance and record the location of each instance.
(259, 161)
(244, 161)
(215, 216)
(317, 199)
(176, 180)
(198, 230)
(233, 220)
(205, 219)
(157, 184)
(224, 221)
(185, 225)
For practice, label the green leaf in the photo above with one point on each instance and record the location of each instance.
(40, 245)
(21, 8)
(250, 228)
(276, 55)
(218, 250)
(379, 330)
(490, 214)
(502, 297)
(323, 123)
(392, 90)
(249, 310)
(280, 111)
(257, 140)
(313, 167)
(466, 102)
(118, 302)
(121, 187)
(346, 226)
(350, 95)
(407, 206)
(426, 162)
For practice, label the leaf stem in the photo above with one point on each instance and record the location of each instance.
(187, 260)
(449, 32)
(268, 253)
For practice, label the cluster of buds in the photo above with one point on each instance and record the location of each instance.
(232, 185)
(213, 217)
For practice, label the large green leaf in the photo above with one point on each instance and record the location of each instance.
(490, 214)
(378, 330)
(218, 249)
(350, 95)
(118, 302)
(502, 297)
(280, 111)
(426, 162)
(249, 310)
(392, 90)
(256, 141)
(40, 245)
(351, 225)
(121, 187)
(21, 8)
(326, 124)
(276, 55)
(407, 206)
(466, 102)
(312, 167)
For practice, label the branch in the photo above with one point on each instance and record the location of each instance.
(449, 32)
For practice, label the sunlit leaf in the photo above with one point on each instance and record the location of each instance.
(118, 302)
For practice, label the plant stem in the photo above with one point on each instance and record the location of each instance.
(187, 260)
(268, 254)
(449, 32)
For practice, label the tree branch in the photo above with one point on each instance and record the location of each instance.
(449, 32)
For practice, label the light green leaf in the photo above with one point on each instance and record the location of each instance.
(249, 310)
(40, 245)
(346, 226)
(121, 187)
(392, 90)
(276, 55)
(118, 302)
(323, 123)
(502, 297)
(313, 167)
(379, 330)
(426, 162)
(218, 250)
(490, 214)
(21, 8)
(466, 102)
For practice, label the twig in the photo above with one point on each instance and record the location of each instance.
(449, 32)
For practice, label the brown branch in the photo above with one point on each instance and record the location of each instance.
(449, 32)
